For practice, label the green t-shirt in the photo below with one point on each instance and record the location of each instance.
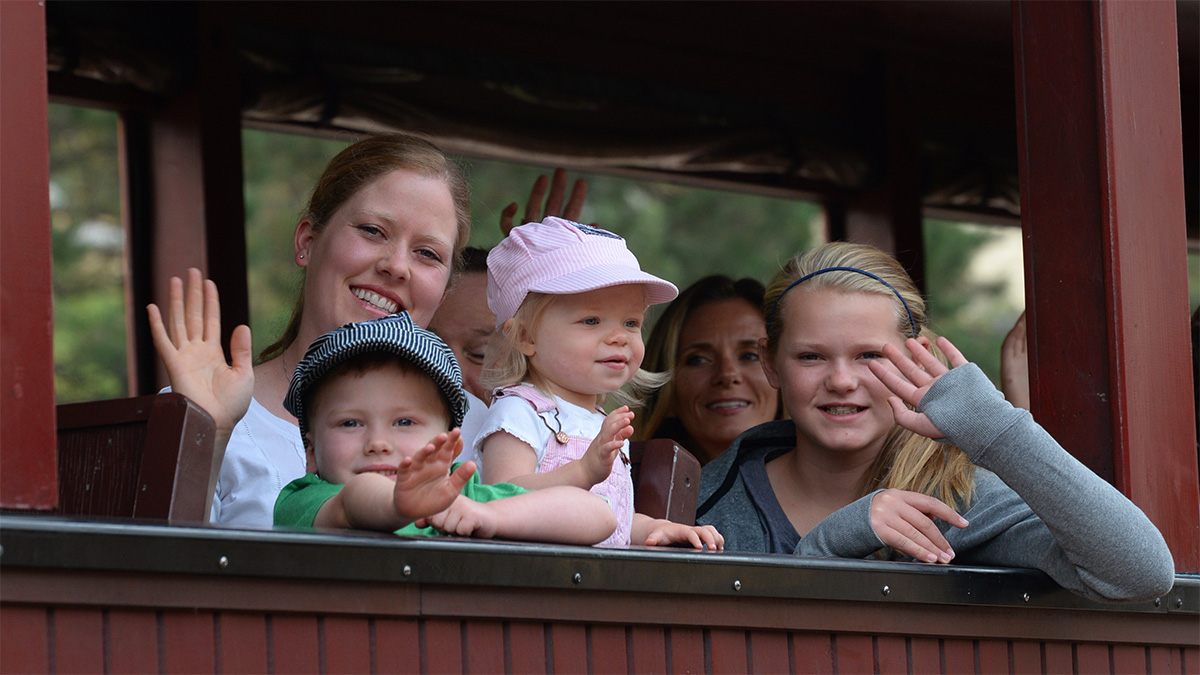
(300, 500)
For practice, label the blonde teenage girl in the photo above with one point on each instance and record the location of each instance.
(855, 468)
(569, 301)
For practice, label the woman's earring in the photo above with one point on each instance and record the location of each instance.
(302, 256)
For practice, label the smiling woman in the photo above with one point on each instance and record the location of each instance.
(382, 232)
(708, 339)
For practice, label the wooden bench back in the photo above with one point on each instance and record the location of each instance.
(142, 457)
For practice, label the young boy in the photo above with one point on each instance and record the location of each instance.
(378, 403)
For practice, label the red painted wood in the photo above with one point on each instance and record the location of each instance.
(687, 650)
(24, 631)
(78, 640)
(993, 657)
(813, 652)
(768, 652)
(1092, 658)
(1145, 228)
(188, 642)
(1191, 660)
(570, 645)
(485, 646)
(855, 653)
(294, 643)
(1129, 659)
(960, 655)
(397, 646)
(609, 651)
(347, 645)
(527, 647)
(1165, 660)
(443, 645)
(1068, 351)
(243, 642)
(132, 641)
(650, 649)
(28, 477)
(926, 655)
(728, 649)
(1102, 203)
(893, 654)
(1027, 656)
(1059, 658)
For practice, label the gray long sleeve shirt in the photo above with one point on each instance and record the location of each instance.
(1034, 505)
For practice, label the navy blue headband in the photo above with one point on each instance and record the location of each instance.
(912, 322)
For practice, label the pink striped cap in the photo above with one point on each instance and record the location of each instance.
(560, 257)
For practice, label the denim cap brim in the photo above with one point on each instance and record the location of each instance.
(394, 334)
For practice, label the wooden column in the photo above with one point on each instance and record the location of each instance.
(1102, 209)
(888, 215)
(28, 476)
(193, 186)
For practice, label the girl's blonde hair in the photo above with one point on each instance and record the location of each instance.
(908, 460)
(506, 365)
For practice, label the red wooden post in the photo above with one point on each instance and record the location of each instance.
(1102, 208)
(28, 476)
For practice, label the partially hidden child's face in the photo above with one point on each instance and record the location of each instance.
(367, 422)
(820, 366)
(464, 321)
(588, 344)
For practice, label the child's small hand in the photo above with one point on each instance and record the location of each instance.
(424, 484)
(600, 455)
(189, 343)
(666, 533)
(909, 379)
(465, 518)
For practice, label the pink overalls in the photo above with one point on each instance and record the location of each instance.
(617, 489)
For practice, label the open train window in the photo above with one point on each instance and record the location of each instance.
(88, 249)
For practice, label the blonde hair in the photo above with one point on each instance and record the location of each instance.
(908, 460)
(506, 365)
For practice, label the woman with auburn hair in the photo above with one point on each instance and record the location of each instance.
(856, 469)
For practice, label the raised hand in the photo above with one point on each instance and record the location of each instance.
(424, 484)
(909, 377)
(598, 459)
(554, 203)
(1014, 365)
(904, 521)
(189, 344)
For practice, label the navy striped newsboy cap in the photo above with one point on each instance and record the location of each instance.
(394, 334)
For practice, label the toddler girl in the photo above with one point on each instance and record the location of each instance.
(569, 301)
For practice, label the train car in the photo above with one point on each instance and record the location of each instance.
(1076, 119)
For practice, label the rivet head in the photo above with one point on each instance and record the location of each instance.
(406, 571)
(1025, 597)
(1158, 602)
(1178, 603)
(577, 578)
(223, 562)
(885, 590)
(737, 585)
